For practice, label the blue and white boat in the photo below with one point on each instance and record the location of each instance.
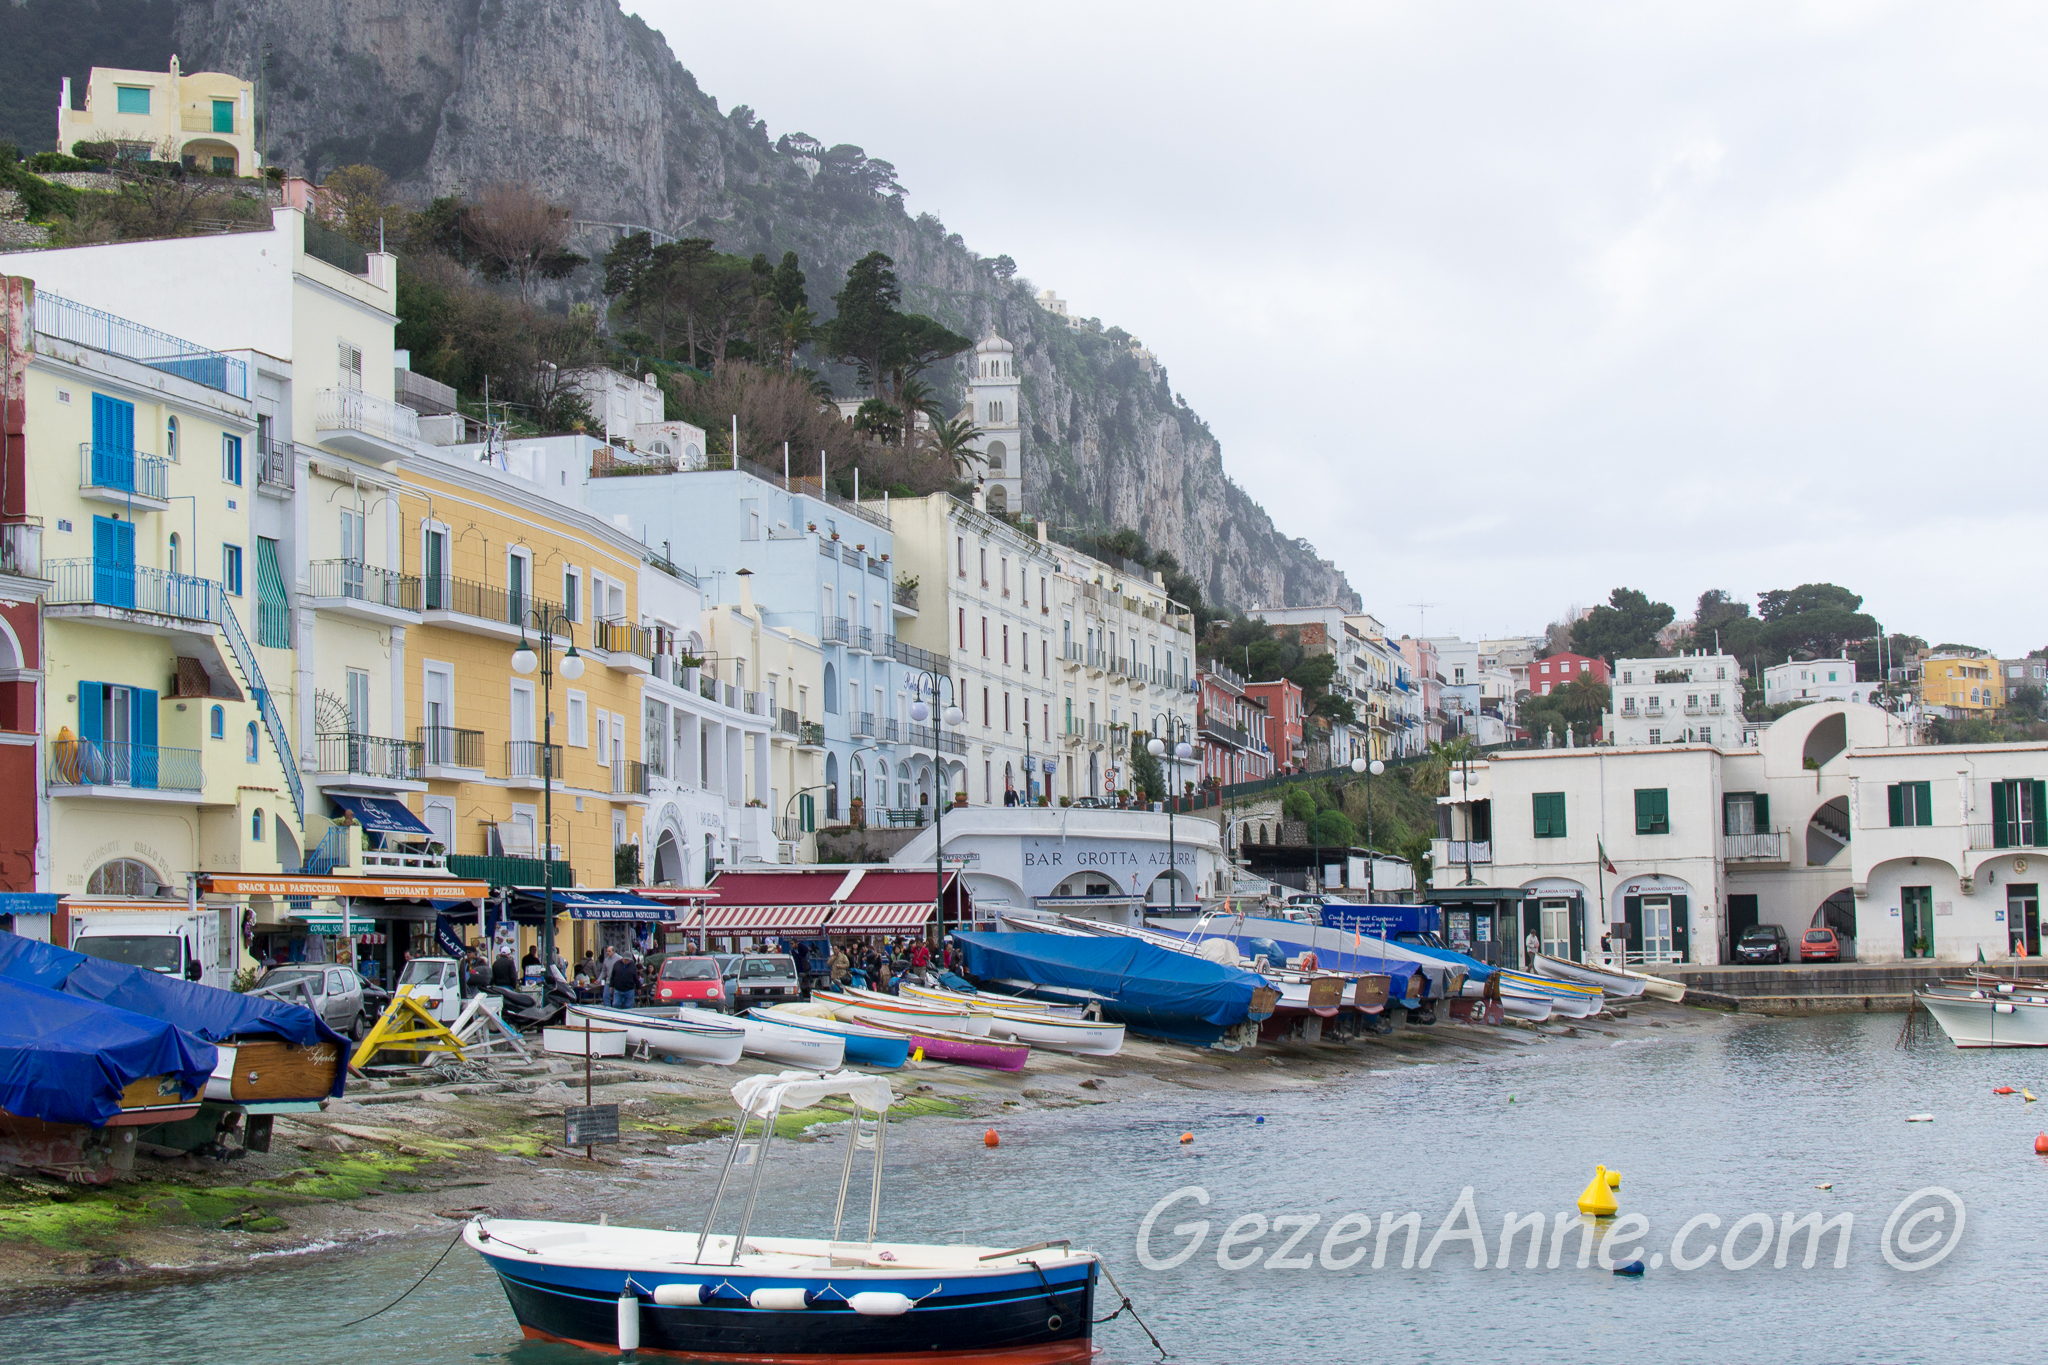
(866, 1045)
(1149, 989)
(740, 1297)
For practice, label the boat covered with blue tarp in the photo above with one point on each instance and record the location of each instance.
(67, 1059)
(1149, 989)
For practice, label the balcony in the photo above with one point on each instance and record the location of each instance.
(100, 588)
(21, 549)
(786, 728)
(810, 736)
(861, 724)
(1695, 709)
(86, 767)
(1653, 711)
(754, 704)
(448, 754)
(1072, 736)
(835, 630)
(1098, 735)
(1450, 853)
(59, 318)
(480, 608)
(890, 731)
(904, 598)
(1223, 733)
(125, 478)
(629, 780)
(624, 645)
(925, 737)
(276, 466)
(370, 428)
(861, 639)
(349, 587)
(511, 871)
(528, 762)
(1768, 847)
(372, 759)
(923, 660)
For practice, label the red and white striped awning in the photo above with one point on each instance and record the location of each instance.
(756, 919)
(884, 918)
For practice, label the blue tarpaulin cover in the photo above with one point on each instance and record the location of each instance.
(1335, 950)
(206, 1012)
(64, 1059)
(1152, 989)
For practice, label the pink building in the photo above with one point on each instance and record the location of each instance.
(1231, 728)
(1285, 720)
(1421, 657)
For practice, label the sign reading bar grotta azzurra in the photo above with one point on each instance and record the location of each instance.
(1049, 862)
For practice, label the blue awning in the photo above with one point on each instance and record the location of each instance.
(382, 815)
(530, 902)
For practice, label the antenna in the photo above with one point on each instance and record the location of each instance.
(1422, 616)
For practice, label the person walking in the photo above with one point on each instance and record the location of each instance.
(1531, 945)
(842, 965)
(503, 971)
(920, 957)
(623, 985)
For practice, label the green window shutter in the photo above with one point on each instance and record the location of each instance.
(223, 116)
(1680, 922)
(1999, 813)
(1895, 802)
(1549, 808)
(1923, 810)
(1653, 810)
(273, 613)
(2040, 810)
(807, 810)
(1632, 915)
(1762, 805)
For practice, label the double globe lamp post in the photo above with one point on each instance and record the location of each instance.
(1370, 770)
(1182, 752)
(921, 713)
(524, 660)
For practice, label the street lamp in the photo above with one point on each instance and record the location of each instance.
(524, 660)
(1371, 770)
(920, 712)
(1182, 752)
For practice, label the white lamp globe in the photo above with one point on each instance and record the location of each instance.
(1358, 765)
(1156, 747)
(920, 711)
(1378, 767)
(524, 660)
(1184, 751)
(572, 664)
(954, 716)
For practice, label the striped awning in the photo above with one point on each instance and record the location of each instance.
(881, 918)
(754, 919)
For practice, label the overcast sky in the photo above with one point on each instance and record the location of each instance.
(1504, 305)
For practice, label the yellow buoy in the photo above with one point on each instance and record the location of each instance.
(1597, 1200)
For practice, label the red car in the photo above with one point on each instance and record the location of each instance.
(689, 981)
(1820, 945)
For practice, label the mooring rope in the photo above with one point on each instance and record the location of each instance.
(1124, 1302)
(415, 1284)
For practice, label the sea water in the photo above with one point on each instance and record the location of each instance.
(1253, 1249)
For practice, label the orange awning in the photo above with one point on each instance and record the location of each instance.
(362, 888)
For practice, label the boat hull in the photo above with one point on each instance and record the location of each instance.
(1061, 1035)
(865, 1046)
(896, 1016)
(783, 1043)
(1617, 984)
(1988, 1022)
(719, 1044)
(941, 1045)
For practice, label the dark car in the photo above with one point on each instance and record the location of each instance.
(1820, 945)
(1763, 943)
(764, 979)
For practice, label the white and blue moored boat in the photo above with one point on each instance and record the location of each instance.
(792, 1299)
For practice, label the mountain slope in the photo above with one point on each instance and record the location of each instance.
(590, 105)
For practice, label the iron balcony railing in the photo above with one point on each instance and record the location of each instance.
(1223, 732)
(906, 595)
(107, 583)
(862, 640)
(1454, 852)
(621, 637)
(394, 760)
(354, 410)
(751, 703)
(863, 724)
(785, 721)
(531, 758)
(95, 763)
(889, 730)
(923, 660)
(444, 746)
(21, 549)
(123, 471)
(484, 601)
(835, 630)
(277, 464)
(1768, 846)
(353, 579)
(924, 737)
(811, 735)
(629, 777)
(512, 871)
(59, 317)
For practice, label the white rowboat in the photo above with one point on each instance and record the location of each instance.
(696, 1039)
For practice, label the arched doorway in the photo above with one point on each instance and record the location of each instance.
(996, 456)
(999, 499)
(831, 784)
(1838, 912)
(903, 786)
(668, 860)
(123, 877)
(1828, 737)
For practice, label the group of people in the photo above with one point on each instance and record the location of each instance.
(874, 964)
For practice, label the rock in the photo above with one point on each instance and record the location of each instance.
(1091, 1084)
(328, 1142)
(436, 1097)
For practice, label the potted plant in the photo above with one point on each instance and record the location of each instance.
(811, 526)
(835, 535)
(1920, 948)
(1066, 801)
(959, 800)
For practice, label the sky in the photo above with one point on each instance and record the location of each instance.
(1503, 305)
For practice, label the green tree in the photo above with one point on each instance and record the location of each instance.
(1811, 621)
(1626, 628)
(1147, 778)
(886, 346)
(1577, 707)
(1722, 624)
(1432, 776)
(787, 286)
(1333, 829)
(1297, 804)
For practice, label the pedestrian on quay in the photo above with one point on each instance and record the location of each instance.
(503, 972)
(920, 957)
(1531, 945)
(842, 965)
(623, 984)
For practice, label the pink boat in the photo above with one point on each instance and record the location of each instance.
(943, 1045)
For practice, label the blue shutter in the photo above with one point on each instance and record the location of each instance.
(113, 442)
(90, 699)
(142, 729)
(87, 758)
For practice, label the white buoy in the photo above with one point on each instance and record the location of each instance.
(679, 1295)
(629, 1324)
(783, 1300)
(1919, 1118)
(878, 1304)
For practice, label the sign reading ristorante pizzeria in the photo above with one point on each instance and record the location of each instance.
(377, 888)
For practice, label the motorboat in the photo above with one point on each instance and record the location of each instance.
(865, 1008)
(1088, 1037)
(807, 1048)
(1151, 989)
(865, 1044)
(1978, 1018)
(690, 1034)
(742, 1296)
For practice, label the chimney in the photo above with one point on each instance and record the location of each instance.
(746, 577)
(1041, 531)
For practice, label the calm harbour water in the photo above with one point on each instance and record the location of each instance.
(1729, 1121)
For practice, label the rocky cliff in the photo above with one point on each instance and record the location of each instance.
(589, 104)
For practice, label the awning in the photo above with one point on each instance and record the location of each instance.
(759, 919)
(362, 888)
(674, 895)
(382, 815)
(875, 919)
(532, 901)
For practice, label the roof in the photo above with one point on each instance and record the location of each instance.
(848, 899)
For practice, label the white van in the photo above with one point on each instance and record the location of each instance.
(190, 945)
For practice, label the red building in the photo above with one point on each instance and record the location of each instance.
(1232, 730)
(1558, 669)
(1285, 716)
(21, 634)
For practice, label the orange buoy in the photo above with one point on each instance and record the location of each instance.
(2005, 1090)
(1187, 1137)
(989, 1139)
(2041, 1145)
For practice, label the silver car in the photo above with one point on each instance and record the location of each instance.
(337, 993)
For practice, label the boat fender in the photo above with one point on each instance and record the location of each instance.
(2041, 1145)
(629, 1323)
(873, 1303)
(2003, 1007)
(679, 1295)
(1632, 1268)
(780, 1300)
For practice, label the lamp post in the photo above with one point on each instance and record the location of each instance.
(1371, 770)
(1178, 727)
(524, 660)
(921, 711)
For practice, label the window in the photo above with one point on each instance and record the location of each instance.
(579, 722)
(358, 683)
(1653, 810)
(131, 99)
(1656, 736)
(2016, 811)
(349, 362)
(1044, 658)
(1628, 678)
(1006, 713)
(256, 825)
(249, 745)
(171, 439)
(223, 165)
(1006, 645)
(174, 552)
(1910, 803)
(995, 412)
(572, 591)
(984, 566)
(223, 116)
(963, 627)
(1745, 813)
(960, 549)
(984, 709)
(604, 739)
(1549, 814)
(1706, 734)
(231, 569)
(984, 637)
(518, 575)
(231, 460)
(217, 723)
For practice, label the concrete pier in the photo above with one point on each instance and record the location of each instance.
(1827, 987)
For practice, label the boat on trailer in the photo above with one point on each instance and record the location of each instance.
(795, 1300)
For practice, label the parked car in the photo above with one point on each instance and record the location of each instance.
(1820, 945)
(1092, 803)
(337, 993)
(692, 981)
(1763, 943)
(764, 979)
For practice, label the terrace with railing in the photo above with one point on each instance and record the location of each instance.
(353, 580)
(374, 756)
(144, 767)
(108, 583)
(60, 318)
(444, 746)
(104, 469)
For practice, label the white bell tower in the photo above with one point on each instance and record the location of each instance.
(992, 392)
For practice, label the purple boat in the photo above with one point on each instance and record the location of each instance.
(942, 1045)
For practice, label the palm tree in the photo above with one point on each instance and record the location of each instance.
(791, 331)
(915, 396)
(1432, 776)
(954, 440)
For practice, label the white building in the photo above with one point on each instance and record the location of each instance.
(1815, 680)
(993, 391)
(1686, 699)
(1329, 628)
